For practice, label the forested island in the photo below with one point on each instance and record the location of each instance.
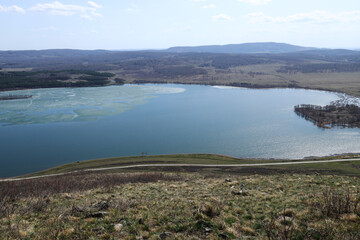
(14, 97)
(331, 115)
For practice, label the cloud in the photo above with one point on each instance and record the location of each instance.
(13, 8)
(94, 4)
(57, 8)
(307, 17)
(255, 2)
(209, 6)
(221, 17)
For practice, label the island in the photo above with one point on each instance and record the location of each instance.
(330, 115)
(14, 97)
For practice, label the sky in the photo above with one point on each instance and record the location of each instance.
(159, 24)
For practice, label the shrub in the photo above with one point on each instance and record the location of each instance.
(334, 203)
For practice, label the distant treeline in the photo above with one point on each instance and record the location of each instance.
(50, 68)
(330, 115)
(321, 68)
(50, 79)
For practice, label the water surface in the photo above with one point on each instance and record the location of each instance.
(64, 125)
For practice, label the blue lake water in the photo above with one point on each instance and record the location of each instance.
(64, 125)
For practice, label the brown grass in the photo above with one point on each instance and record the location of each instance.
(73, 182)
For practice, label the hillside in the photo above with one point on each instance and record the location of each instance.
(325, 69)
(245, 48)
(182, 205)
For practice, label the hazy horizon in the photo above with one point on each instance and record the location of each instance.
(160, 24)
(159, 49)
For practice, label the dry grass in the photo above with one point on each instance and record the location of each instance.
(190, 206)
(73, 182)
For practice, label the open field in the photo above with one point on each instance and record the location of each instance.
(332, 70)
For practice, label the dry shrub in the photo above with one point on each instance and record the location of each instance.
(210, 210)
(334, 203)
(123, 204)
(7, 207)
(280, 227)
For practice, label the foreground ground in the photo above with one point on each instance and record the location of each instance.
(305, 201)
(155, 205)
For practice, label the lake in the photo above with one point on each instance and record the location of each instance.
(63, 125)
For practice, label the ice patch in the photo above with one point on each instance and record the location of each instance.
(79, 104)
(225, 87)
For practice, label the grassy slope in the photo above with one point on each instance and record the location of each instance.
(166, 159)
(187, 206)
(346, 168)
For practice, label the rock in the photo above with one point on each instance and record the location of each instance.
(118, 227)
(97, 214)
(228, 180)
(67, 196)
(103, 205)
(223, 236)
(239, 193)
(77, 211)
(165, 235)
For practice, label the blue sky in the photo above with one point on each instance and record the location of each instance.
(156, 24)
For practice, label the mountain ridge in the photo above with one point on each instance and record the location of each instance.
(243, 48)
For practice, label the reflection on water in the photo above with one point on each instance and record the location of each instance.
(76, 104)
(66, 125)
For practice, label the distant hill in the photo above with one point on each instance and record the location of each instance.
(245, 48)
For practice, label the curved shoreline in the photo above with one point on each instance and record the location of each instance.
(254, 86)
(184, 165)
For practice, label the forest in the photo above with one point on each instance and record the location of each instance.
(331, 115)
(333, 70)
(10, 80)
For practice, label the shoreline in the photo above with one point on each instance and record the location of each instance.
(195, 160)
(254, 86)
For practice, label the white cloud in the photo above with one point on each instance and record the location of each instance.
(307, 17)
(57, 8)
(255, 2)
(94, 4)
(13, 8)
(221, 17)
(209, 6)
